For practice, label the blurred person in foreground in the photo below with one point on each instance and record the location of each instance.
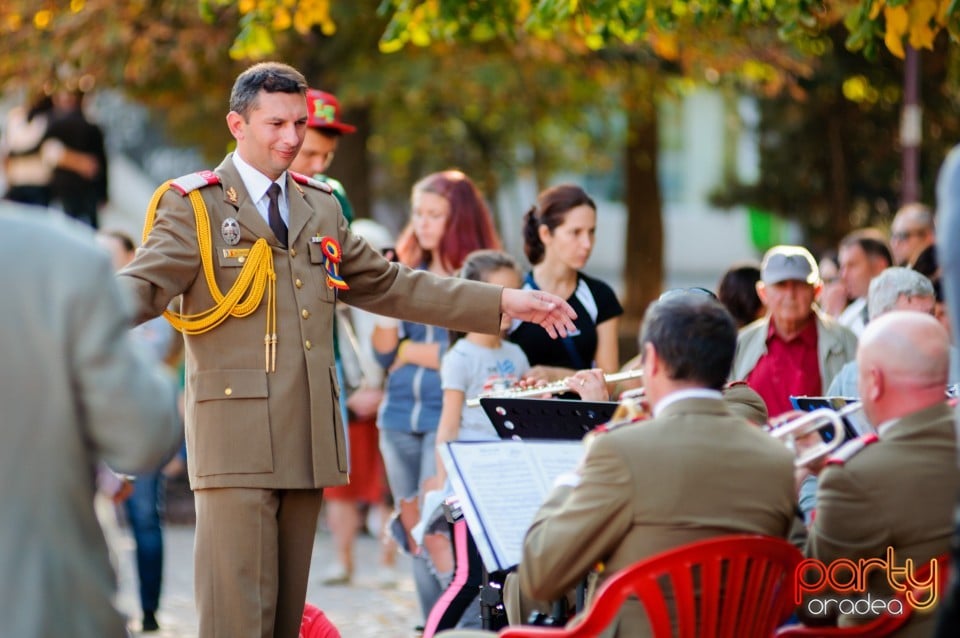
(730, 477)
(948, 234)
(263, 423)
(795, 349)
(892, 493)
(79, 394)
(144, 506)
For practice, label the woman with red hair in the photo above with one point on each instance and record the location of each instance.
(449, 220)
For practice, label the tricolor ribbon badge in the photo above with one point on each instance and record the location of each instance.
(332, 254)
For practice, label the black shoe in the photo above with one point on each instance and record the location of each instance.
(149, 622)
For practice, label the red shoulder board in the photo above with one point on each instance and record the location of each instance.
(188, 183)
(848, 450)
(309, 181)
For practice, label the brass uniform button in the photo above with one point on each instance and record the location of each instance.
(305, 313)
(228, 391)
(307, 344)
(293, 252)
(241, 259)
(298, 283)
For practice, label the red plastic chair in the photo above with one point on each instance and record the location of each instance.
(884, 625)
(745, 590)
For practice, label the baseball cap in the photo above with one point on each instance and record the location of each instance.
(323, 111)
(786, 263)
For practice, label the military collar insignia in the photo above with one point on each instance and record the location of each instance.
(232, 195)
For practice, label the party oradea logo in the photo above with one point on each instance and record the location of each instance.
(841, 586)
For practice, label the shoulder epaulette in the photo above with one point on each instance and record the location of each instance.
(188, 183)
(734, 384)
(850, 449)
(309, 181)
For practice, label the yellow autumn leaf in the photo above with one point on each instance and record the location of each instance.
(328, 27)
(281, 19)
(76, 6)
(420, 38)
(14, 22)
(594, 41)
(942, 12)
(922, 11)
(876, 7)
(390, 46)
(42, 19)
(246, 6)
(897, 20)
(921, 36)
(666, 46)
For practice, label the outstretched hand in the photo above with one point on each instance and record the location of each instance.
(551, 312)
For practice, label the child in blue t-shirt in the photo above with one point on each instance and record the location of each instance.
(476, 363)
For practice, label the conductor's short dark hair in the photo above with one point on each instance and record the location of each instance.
(272, 77)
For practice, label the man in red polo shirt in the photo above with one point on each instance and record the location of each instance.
(795, 349)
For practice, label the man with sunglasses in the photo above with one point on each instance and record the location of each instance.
(911, 233)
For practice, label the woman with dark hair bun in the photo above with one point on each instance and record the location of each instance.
(559, 235)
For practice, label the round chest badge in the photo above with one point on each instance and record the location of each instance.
(230, 231)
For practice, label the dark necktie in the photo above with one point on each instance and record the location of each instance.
(276, 222)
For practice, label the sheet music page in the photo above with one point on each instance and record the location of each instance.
(501, 484)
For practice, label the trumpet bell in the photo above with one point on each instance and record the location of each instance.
(795, 431)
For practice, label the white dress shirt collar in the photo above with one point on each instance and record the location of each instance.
(680, 395)
(257, 184)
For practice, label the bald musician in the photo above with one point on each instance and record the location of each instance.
(895, 489)
(691, 472)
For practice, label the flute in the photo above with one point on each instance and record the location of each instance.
(556, 387)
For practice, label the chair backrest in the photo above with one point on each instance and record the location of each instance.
(738, 586)
(885, 624)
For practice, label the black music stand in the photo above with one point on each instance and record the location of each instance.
(519, 419)
(558, 419)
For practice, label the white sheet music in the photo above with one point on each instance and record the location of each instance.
(500, 485)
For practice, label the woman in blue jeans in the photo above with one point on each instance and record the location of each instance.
(449, 219)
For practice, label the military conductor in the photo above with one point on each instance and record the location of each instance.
(260, 256)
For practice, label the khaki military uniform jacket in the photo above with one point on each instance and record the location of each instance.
(694, 472)
(898, 492)
(835, 346)
(247, 427)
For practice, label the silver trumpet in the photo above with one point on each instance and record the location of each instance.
(556, 387)
(792, 429)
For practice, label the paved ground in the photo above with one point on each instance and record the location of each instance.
(362, 610)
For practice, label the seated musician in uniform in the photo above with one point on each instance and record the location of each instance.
(692, 471)
(894, 489)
